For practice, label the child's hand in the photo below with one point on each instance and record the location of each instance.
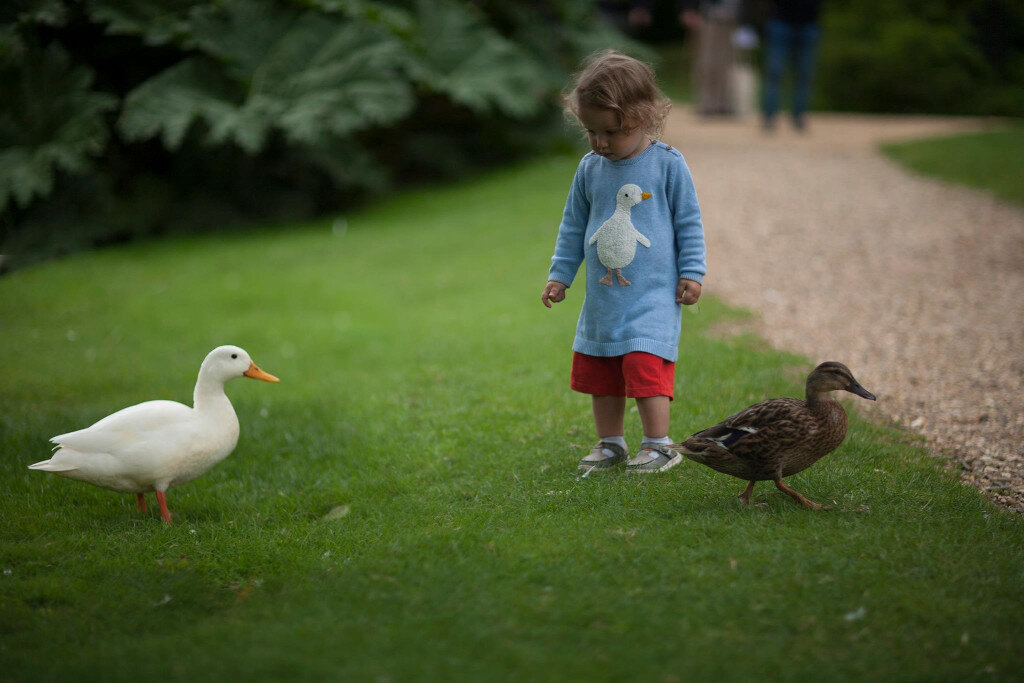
(687, 292)
(554, 292)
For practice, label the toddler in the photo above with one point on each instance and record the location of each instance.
(632, 215)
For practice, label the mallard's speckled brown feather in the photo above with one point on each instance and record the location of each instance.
(770, 440)
(781, 436)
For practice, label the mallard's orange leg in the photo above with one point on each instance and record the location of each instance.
(799, 498)
(140, 500)
(607, 279)
(745, 496)
(165, 514)
(622, 278)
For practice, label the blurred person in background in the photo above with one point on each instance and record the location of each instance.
(710, 27)
(791, 35)
(713, 23)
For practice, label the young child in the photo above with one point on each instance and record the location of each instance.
(632, 214)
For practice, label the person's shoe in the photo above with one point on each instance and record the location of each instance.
(599, 459)
(654, 458)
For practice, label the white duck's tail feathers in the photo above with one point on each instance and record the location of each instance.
(51, 466)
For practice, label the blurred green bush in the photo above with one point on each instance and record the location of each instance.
(923, 56)
(120, 119)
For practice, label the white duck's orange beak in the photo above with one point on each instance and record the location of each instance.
(645, 195)
(256, 373)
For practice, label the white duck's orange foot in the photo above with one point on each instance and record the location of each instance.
(607, 279)
(622, 280)
(165, 514)
(140, 500)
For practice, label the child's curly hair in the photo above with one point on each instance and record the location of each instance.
(612, 80)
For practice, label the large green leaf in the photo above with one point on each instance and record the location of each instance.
(51, 121)
(262, 67)
(168, 104)
(456, 53)
(396, 19)
(156, 21)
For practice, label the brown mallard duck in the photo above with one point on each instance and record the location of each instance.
(781, 436)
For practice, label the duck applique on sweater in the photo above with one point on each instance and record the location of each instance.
(616, 238)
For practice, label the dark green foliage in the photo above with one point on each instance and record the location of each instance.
(454, 53)
(124, 119)
(52, 121)
(305, 74)
(923, 56)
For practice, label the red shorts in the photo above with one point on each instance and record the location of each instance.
(635, 375)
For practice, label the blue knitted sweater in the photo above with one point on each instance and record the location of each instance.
(625, 236)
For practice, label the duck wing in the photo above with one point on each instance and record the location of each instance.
(753, 443)
(135, 424)
(152, 444)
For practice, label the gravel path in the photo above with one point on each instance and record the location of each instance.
(917, 285)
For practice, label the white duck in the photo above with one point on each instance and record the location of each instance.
(155, 445)
(616, 238)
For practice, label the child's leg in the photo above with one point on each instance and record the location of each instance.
(650, 379)
(654, 416)
(611, 449)
(609, 415)
(601, 377)
(655, 454)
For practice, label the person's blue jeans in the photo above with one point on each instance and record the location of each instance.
(784, 43)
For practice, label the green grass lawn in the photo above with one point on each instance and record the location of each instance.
(424, 400)
(990, 160)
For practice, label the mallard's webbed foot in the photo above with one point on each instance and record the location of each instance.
(806, 502)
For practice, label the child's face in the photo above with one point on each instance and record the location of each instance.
(610, 137)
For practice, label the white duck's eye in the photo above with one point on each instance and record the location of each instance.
(234, 355)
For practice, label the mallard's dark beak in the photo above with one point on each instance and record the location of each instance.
(861, 391)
